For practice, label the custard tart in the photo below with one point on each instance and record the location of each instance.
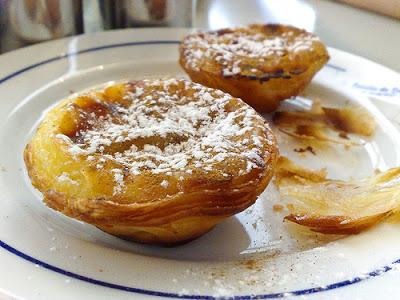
(261, 64)
(154, 161)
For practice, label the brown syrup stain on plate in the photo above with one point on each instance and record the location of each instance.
(306, 149)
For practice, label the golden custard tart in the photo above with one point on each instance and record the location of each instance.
(154, 161)
(261, 64)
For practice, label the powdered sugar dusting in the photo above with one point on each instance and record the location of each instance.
(164, 184)
(171, 127)
(64, 177)
(119, 181)
(233, 49)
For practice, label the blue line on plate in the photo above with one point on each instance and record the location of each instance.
(337, 68)
(45, 265)
(99, 48)
(174, 295)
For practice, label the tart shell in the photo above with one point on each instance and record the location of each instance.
(145, 210)
(264, 78)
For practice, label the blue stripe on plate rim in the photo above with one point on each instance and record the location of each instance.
(50, 267)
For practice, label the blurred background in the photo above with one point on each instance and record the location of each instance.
(369, 28)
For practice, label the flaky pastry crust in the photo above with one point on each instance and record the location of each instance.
(261, 64)
(154, 161)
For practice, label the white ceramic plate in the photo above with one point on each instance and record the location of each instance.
(45, 255)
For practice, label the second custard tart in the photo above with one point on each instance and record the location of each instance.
(155, 161)
(261, 64)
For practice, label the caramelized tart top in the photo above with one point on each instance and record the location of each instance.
(257, 51)
(170, 133)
